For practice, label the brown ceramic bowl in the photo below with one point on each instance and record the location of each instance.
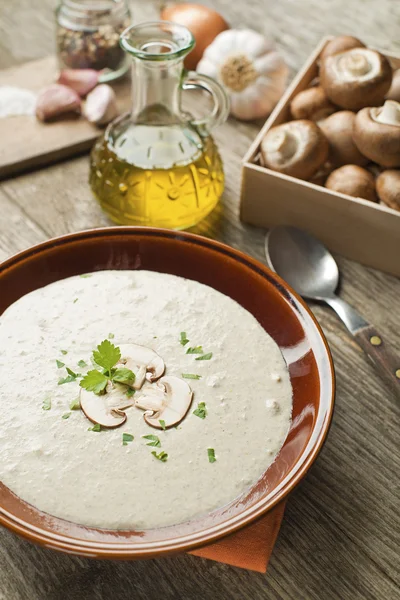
(279, 310)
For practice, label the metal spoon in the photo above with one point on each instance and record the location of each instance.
(312, 271)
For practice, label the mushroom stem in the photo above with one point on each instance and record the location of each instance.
(389, 113)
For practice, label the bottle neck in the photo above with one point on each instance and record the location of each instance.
(156, 88)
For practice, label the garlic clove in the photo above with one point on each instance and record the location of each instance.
(80, 80)
(101, 105)
(56, 100)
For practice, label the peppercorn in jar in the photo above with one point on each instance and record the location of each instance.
(88, 36)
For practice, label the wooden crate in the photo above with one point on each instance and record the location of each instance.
(361, 230)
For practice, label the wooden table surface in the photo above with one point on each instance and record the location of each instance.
(340, 535)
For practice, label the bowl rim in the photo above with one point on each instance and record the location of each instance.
(206, 537)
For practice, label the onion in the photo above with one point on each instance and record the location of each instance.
(204, 23)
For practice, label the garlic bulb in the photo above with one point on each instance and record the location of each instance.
(253, 73)
(101, 105)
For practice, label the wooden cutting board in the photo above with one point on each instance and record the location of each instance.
(27, 143)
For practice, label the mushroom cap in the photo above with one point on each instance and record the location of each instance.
(106, 409)
(341, 43)
(394, 91)
(135, 357)
(353, 181)
(377, 135)
(356, 78)
(169, 400)
(338, 129)
(297, 148)
(312, 104)
(388, 188)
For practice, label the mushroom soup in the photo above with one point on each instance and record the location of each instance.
(134, 399)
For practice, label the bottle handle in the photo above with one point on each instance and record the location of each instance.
(220, 112)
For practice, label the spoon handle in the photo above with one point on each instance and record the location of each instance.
(385, 361)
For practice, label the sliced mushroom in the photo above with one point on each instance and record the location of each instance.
(311, 104)
(338, 129)
(394, 92)
(143, 361)
(298, 148)
(388, 188)
(356, 78)
(106, 409)
(376, 133)
(341, 43)
(353, 181)
(169, 401)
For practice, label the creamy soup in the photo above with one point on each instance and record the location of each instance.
(230, 388)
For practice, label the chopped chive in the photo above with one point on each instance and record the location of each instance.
(127, 437)
(85, 275)
(205, 356)
(60, 364)
(211, 455)
(76, 300)
(82, 364)
(111, 336)
(162, 423)
(201, 410)
(64, 352)
(184, 339)
(160, 456)
(195, 350)
(46, 404)
(75, 404)
(154, 440)
(96, 427)
(66, 415)
(190, 376)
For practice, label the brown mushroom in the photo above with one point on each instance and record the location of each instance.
(388, 188)
(356, 78)
(106, 409)
(143, 361)
(376, 133)
(353, 181)
(394, 91)
(338, 130)
(297, 148)
(311, 104)
(341, 43)
(168, 401)
(320, 177)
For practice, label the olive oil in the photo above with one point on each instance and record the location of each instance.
(161, 176)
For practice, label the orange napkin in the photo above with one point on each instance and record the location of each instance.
(249, 548)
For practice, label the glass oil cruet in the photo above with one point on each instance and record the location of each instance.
(159, 166)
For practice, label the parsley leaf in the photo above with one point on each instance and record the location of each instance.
(127, 437)
(123, 376)
(162, 423)
(211, 455)
(201, 410)
(46, 404)
(205, 356)
(106, 355)
(94, 381)
(155, 441)
(75, 404)
(161, 456)
(195, 350)
(66, 415)
(190, 376)
(96, 427)
(129, 392)
(60, 364)
(184, 339)
(82, 364)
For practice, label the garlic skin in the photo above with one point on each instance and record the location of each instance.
(252, 72)
(101, 105)
(56, 100)
(80, 80)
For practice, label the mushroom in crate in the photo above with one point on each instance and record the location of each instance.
(388, 188)
(353, 181)
(338, 129)
(377, 133)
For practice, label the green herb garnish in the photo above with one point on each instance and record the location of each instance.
(211, 455)
(70, 377)
(195, 350)
(75, 404)
(126, 438)
(95, 427)
(60, 364)
(76, 300)
(154, 440)
(46, 404)
(111, 336)
(184, 339)
(190, 376)
(85, 275)
(162, 423)
(106, 356)
(161, 456)
(205, 356)
(201, 410)
(82, 364)
(129, 392)
(66, 415)
(64, 352)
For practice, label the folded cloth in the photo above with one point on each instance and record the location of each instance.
(251, 547)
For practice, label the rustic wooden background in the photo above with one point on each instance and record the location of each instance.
(340, 536)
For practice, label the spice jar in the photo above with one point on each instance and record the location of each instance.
(88, 36)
